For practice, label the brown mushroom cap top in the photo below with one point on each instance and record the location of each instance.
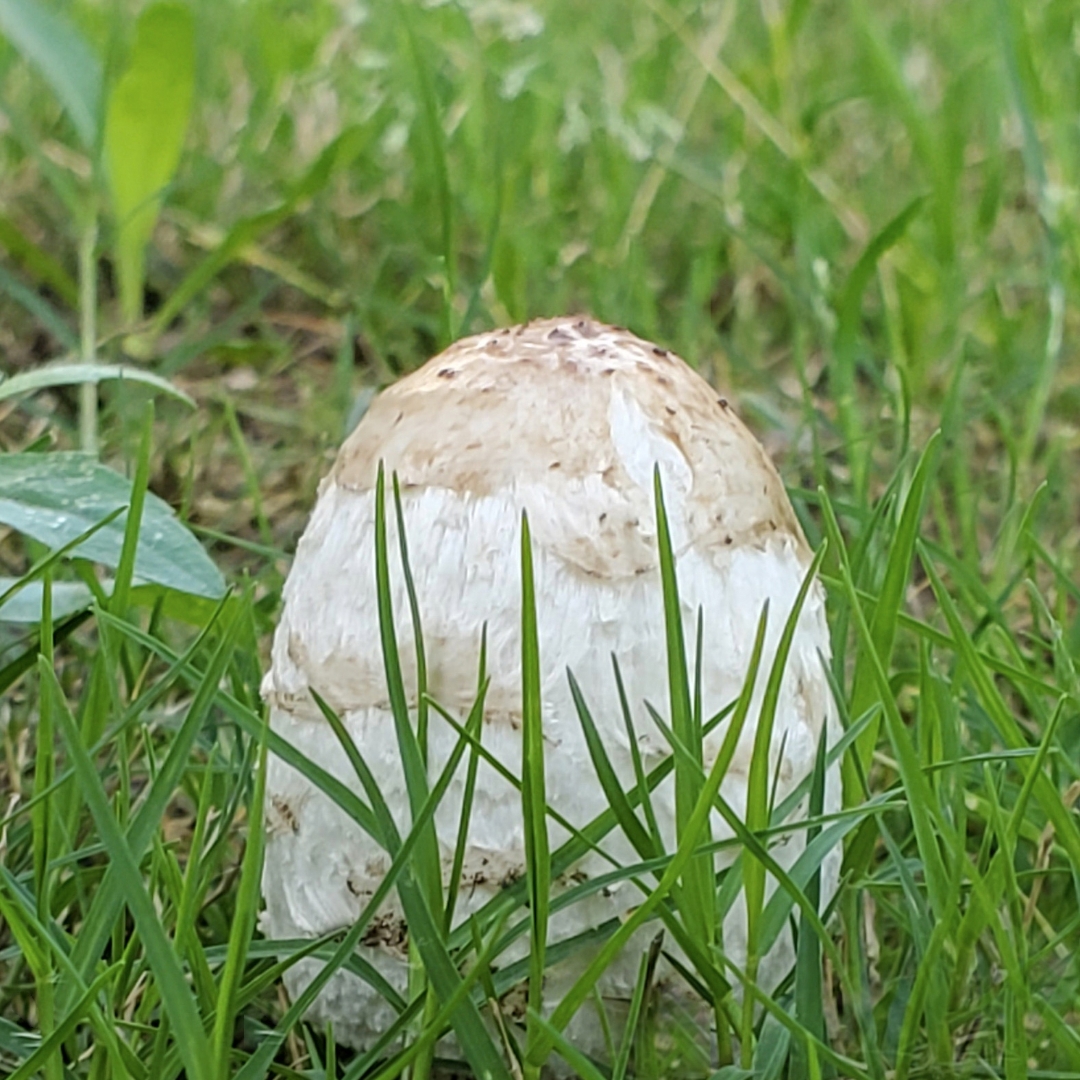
(575, 411)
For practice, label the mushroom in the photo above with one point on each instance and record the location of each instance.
(565, 419)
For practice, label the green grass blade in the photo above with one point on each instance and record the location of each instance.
(412, 761)
(438, 1022)
(474, 725)
(849, 315)
(251, 475)
(1068, 833)
(57, 48)
(641, 784)
(697, 888)
(646, 970)
(425, 930)
(40, 308)
(417, 626)
(925, 813)
(109, 897)
(37, 940)
(757, 795)
(34, 260)
(176, 996)
(125, 567)
(437, 159)
(45, 834)
(582, 1066)
(609, 781)
(252, 724)
(243, 925)
(533, 797)
(695, 827)
(809, 1010)
(50, 1048)
(257, 1066)
(891, 598)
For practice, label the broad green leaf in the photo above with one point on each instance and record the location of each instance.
(64, 58)
(145, 125)
(70, 374)
(25, 605)
(56, 497)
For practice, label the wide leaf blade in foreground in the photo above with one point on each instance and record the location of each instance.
(56, 497)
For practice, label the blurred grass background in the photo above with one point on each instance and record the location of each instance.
(858, 218)
(739, 180)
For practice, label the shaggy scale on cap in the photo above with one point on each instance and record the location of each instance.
(565, 419)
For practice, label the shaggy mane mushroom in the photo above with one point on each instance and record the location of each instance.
(565, 419)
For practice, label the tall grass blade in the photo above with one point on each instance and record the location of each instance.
(418, 630)
(641, 783)
(925, 812)
(809, 1010)
(757, 797)
(259, 1063)
(533, 799)
(891, 598)
(425, 929)
(109, 897)
(436, 148)
(193, 1045)
(642, 986)
(697, 887)
(693, 835)
(243, 925)
(40, 308)
(850, 310)
(473, 726)
(50, 1049)
(62, 55)
(609, 781)
(1049, 799)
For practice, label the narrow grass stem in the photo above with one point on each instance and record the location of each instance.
(88, 391)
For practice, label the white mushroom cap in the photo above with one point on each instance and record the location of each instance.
(566, 419)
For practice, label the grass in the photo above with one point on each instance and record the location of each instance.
(859, 219)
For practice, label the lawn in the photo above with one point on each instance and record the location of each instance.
(225, 226)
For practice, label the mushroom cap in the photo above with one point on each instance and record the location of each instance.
(565, 419)
(580, 412)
